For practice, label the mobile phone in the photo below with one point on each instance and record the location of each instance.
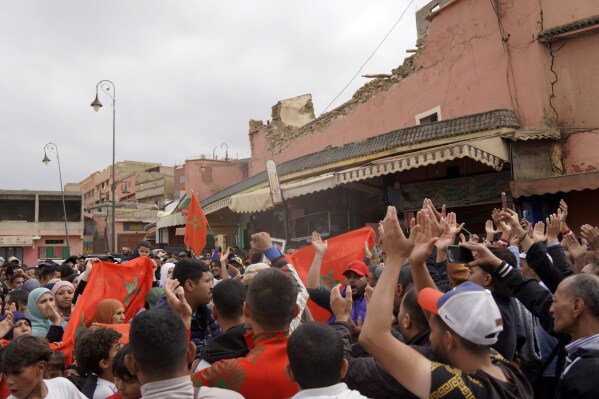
(504, 201)
(457, 254)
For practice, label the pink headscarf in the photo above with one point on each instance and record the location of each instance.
(60, 285)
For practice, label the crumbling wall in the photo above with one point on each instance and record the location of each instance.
(279, 134)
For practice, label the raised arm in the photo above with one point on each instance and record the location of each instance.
(320, 247)
(407, 366)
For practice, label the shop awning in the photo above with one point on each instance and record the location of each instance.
(490, 151)
(552, 185)
(175, 219)
(259, 200)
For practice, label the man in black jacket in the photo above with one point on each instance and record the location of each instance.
(228, 297)
(365, 374)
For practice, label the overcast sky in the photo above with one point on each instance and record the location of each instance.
(189, 75)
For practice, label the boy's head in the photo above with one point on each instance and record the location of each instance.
(24, 361)
(55, 366)
(144, 248)
(315, 356)
(95, 351)
(126, 383)
(228, 297)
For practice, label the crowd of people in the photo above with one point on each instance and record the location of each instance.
(428, 312)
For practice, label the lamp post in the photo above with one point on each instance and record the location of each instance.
(54, 149)
(107, 86)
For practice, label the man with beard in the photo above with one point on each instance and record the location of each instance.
(356, 276)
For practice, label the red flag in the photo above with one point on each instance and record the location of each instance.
(128, 282)
(196, 226)
(340, 251)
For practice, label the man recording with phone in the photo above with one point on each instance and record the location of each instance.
(481, 274)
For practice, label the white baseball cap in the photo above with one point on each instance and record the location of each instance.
(468, 309)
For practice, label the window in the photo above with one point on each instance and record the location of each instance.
(430, 116)
(182, 179)
(54, 241)
(429, 119)
(435, 8)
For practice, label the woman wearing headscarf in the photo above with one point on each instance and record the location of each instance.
(109, 311)
(21, 326)
(166, 271)
(63, 292)
(45, 320)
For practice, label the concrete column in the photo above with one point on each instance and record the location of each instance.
(37, 208)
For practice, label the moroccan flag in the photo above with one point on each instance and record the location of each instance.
(340, 251)
(128, 282)
(196, 226)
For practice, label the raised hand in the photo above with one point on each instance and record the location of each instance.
(452, 222)
(175, 296)
(340, 306)
(553, 227)
(261, 241)
(490, 230)
(395, 243)
(447, 238)
(591, 234)
(538, 234)
(562, 214)
(235, 272)
(319, 246)
(482, 255)
(53, 315)
(438, 215)
(368, 294)
(224, 257)
(7, 324)
(437, 226)
(424, 241)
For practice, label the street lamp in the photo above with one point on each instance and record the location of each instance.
(107, 86)
(54, 149)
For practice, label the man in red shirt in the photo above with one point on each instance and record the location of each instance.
(269, 308)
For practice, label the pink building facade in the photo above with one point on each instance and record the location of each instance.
(32, 225)
(498, 91)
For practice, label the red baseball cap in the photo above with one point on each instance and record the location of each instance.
(358, 267)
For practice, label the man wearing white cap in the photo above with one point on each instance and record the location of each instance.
(464, 324)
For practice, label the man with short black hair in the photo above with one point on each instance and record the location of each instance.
(193, 275)
(316, 363)
(48, 273)
(160, 353)
(228, 297)
(269, 308)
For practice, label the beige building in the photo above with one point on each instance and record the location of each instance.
(141, 189)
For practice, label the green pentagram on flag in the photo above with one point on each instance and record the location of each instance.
(195, 222)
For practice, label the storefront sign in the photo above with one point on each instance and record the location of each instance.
(455, 192)
(16, 241)
(273, 180)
